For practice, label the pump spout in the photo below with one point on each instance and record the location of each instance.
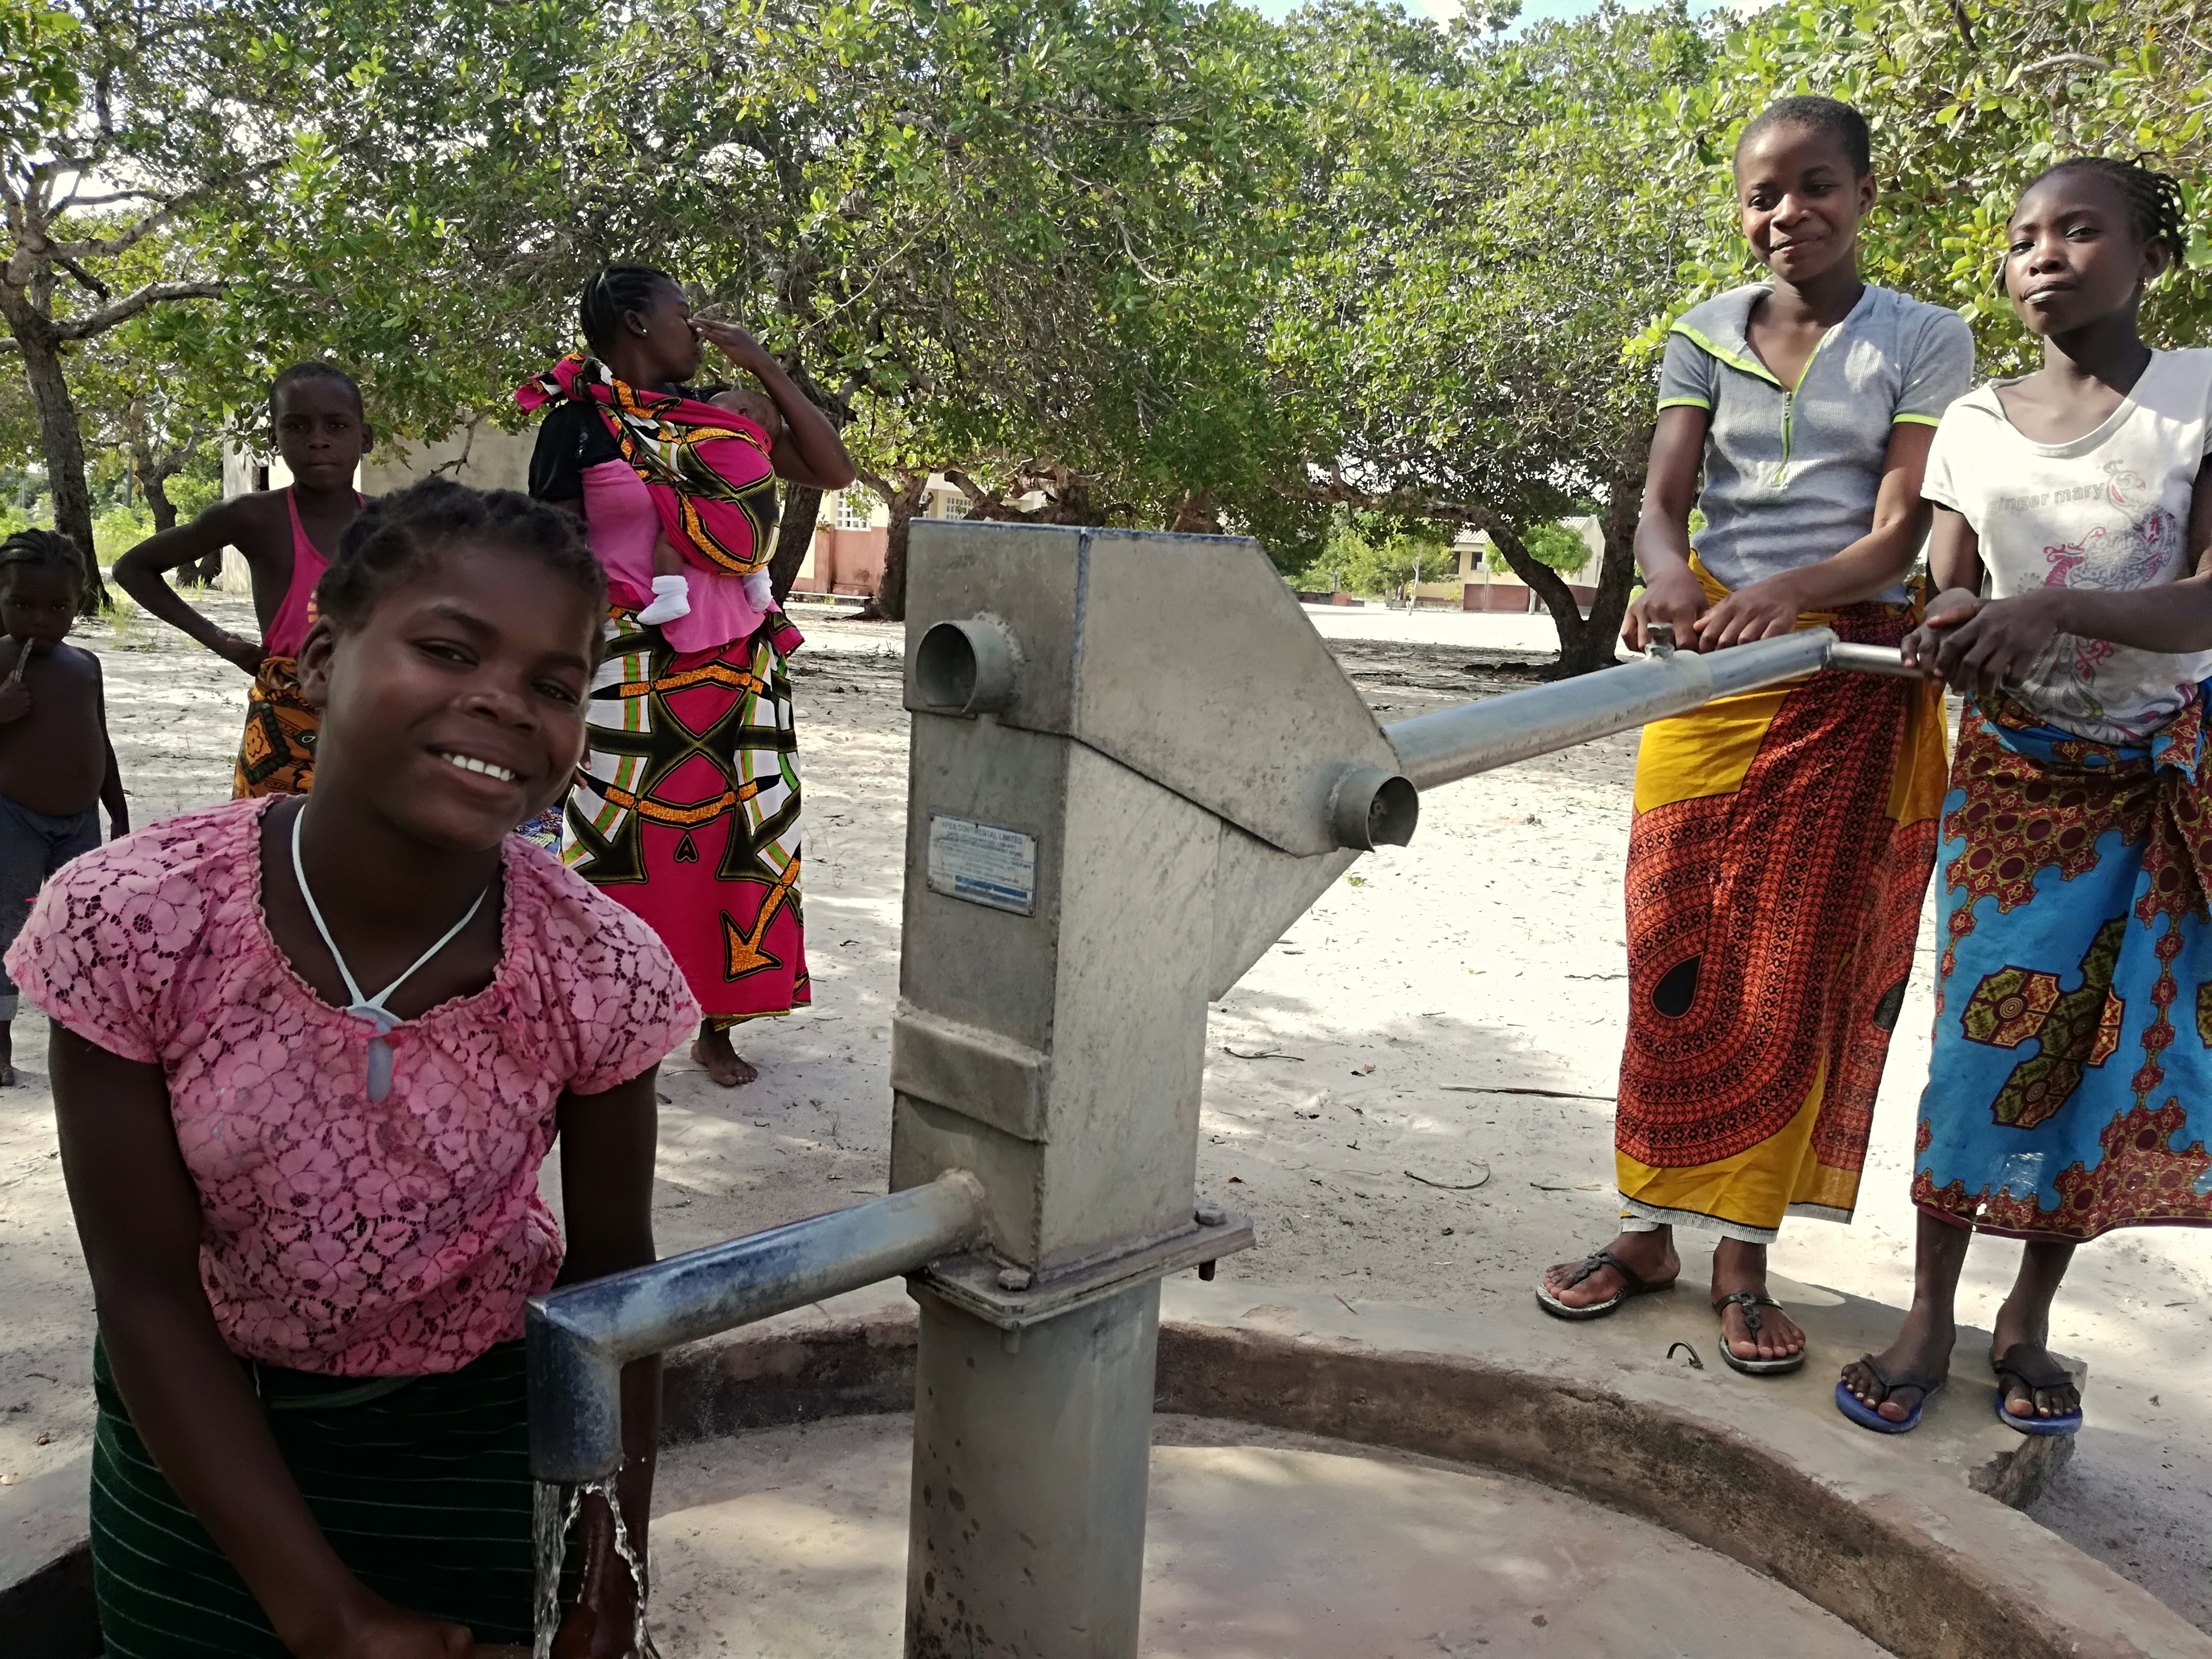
(581, 1337)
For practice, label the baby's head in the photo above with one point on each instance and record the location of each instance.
(756, 406)
(450, 672)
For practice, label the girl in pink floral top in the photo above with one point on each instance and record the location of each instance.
(311, 1225)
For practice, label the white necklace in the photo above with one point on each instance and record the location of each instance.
(371, 1009)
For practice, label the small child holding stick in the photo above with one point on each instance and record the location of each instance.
(56, 766)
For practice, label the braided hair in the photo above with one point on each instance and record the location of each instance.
(398, 536)
(1833, 120)
(40, 550)
(613, 291)
(2156, 207)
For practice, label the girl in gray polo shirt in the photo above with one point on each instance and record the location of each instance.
(1783, 839)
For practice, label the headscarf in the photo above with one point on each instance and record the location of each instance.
(707, 469)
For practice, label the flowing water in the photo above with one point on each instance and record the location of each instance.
(553, 1511)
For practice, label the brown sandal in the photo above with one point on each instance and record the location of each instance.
(1633, 1284)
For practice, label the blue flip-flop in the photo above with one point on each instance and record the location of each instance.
(2031, 1365)
(1868, 1418)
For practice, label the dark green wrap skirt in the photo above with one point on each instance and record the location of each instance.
(421, 1484)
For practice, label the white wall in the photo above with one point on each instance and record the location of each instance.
(480, 456)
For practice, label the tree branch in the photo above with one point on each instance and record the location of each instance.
(84, 326)
(91, 283)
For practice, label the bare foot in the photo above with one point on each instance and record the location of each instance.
(1922, 1349)
(1650, 1255)
(1740, 1266)
(718, 1057)
(7, 1075)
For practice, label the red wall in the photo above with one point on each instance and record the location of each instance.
(849, 561)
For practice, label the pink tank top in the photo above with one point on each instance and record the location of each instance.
(288, 630)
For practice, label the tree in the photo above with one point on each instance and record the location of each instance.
(1456, 353)
(1966, 103)
(1010, 220)
(290, 162)
(99, 95)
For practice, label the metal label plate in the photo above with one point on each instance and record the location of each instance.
(983, 864)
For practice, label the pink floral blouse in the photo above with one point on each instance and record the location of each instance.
(341, 1236)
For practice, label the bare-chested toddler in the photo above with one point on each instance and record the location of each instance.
(56, 766)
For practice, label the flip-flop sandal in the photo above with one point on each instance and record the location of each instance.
(2032, 1366)
(1868, 1418)
(1751, 1302)
(1633, 1284)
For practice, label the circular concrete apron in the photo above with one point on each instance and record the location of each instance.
(1260, 1546)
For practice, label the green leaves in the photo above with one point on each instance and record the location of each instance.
(1961, 124)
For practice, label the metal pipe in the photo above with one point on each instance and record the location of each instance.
(1872, 660)
(1477, 737)
(581, 1337)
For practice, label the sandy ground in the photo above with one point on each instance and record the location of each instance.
(1486, 957)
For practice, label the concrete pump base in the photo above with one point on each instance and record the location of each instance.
(1888, 1535)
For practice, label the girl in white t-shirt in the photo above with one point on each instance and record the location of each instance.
(2070, 1091)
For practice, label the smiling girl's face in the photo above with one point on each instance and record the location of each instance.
(1800, 201)
(2072, 253)
(455, 709)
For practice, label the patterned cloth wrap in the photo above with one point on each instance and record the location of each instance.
(2070, 1091)
(709, 472)
(687, 811)
(1781, 849)
(422, 1485)
(277, 756)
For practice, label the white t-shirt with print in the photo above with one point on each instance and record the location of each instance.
(2109, 510)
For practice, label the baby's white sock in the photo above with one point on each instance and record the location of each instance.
(759, 591)
(672, 597)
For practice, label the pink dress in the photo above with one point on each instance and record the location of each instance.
(399, 1238)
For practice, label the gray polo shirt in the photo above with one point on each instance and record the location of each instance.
(1791, 477)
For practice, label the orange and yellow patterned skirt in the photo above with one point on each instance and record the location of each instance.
(1780, 849)
(277, 757)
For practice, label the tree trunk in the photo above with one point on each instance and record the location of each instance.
(60, 439)
(906, 499)
(1196, 515)
(802, 506)
(1616, 578)
(1581, 647)
(155, 488)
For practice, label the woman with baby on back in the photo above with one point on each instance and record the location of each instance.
(686, 810)
(2070, 1089)
(310, 1206)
